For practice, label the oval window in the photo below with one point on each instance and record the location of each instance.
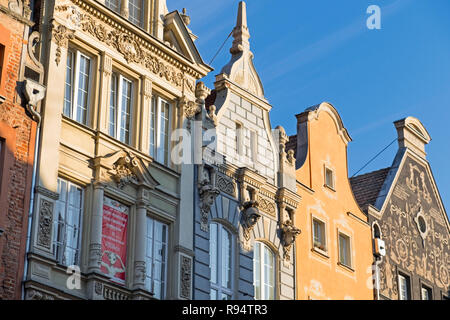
(422, 224)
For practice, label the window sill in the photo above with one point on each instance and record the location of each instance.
(346, 267)
(321, 252)
(329, 187)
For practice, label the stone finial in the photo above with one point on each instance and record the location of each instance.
(185, 17)
(240, 31)
(201, 91)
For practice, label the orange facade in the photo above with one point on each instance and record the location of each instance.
(334, 251)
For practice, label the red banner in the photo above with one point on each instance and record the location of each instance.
(114, 239)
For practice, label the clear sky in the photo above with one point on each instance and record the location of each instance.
(307, 52)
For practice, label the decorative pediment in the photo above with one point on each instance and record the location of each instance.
(179, 37)
(123, 168)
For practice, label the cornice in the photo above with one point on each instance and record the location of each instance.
(144, 39)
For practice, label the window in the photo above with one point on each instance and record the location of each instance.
(77, 86)
(113, 5)
(239, 133)
(156, 258)
(264, 272)
(221, 262)
(2, 147)
(67, 223)
(403, 287)
(426, 293)
(319, 235)
(120, 108)
(136, 12)
(251, 149)
(160, 129)
(329, 178)
(344, 250)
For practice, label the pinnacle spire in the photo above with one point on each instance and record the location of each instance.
(240, 31)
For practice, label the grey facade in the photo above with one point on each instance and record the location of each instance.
(246, 183)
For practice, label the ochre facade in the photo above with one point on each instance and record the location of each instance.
(321, 145)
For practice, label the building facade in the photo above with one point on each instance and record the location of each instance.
(111, 203)
(334, 251)
(20, 93)
(410, 228)
(244, 234)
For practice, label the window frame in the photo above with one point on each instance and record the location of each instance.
(120, 78)
(349, 253)
(407, 283)
(75, 77)
(155, 116)
(142, 11)
(55, 226)
(239, 132)
(262, 247)
(427, 289)
(218, 286)
(313, 233)
(152, 284)
(333, 178)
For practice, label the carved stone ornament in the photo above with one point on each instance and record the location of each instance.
(267, 206)
(20, 7)
(185, 277)
(95, 255)
(190, 108)
(201, 91)
(250, 216)
(124, 171)
(139, 272)
(208, 194)
(44, 237)
(212, 114)
(226, 185)
(33, 294)
(290, 232)
(61, 36)
(98, 288)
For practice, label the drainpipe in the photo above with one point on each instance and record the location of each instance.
(31, 104)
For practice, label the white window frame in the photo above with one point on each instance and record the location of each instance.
(60, 255)
(218, 286)
(139, 21)
(404, 280)
(155, 150)
(261, 247)
(333, 178)
(325, 244)
(75, 69)
(349, 248)
(119, 104)
(150, 278)
(239, 131)
(428, 290)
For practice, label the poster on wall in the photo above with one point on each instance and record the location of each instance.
(114, 239)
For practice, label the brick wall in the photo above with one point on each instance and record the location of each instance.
(17, 131)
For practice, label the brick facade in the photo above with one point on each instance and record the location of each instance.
(17, 136)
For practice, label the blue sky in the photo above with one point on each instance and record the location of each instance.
(307, 52)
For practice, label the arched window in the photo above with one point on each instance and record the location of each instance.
(264, 272)
(221, 262)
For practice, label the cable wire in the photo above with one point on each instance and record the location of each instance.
(374, 157)
(220, 48)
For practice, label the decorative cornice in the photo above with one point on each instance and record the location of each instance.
(92, 10)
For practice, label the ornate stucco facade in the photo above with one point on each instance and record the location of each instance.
(406, 212)
(124, 177)
(333, 252)
(120, 81)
